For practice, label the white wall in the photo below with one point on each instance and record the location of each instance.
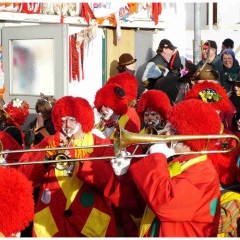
(228, 12)
(92, 69)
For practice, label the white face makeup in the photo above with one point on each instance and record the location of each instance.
(106, 113)
(152, 116)
(69, 126)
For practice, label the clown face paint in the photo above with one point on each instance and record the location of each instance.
(106, 113)
(152, 118)
(69, 126)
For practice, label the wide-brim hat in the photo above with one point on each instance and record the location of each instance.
(156, 99)
(76, 107)
(112, 95)
(212, 93)
(128, 82)
(126, 59)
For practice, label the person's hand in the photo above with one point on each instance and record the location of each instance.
(120, 164)
(162, 148)
(2, 160)
(40, 121)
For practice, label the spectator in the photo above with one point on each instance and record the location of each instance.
(158, 66)
(213, 59)
(235, 95)
(126, 63)
(230, 70)
(42, 125)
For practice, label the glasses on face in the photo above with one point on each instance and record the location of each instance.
(70, 119)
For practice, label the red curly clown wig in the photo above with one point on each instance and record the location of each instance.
(16, 200)
(212, 93)
(73, 107)
(128, 82)
(18, 111)
(225, 165)
(156, 99)
(194, 117)
(112, 96)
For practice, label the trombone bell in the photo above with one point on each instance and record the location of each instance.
(124, 138)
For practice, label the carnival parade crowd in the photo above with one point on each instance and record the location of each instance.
(160, 163)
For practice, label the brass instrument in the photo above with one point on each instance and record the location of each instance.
(150, 130)
(59, 155)
(124, 138)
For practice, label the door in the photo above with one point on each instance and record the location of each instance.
(35, 60)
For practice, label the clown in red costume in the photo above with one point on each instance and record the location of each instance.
(182, 192)
(130, 85)
(112, 101)
(152, 107)
(216, 96)
(71, 203)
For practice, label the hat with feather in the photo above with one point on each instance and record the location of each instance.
(211, 93)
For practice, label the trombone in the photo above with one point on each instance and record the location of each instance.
(124, 138)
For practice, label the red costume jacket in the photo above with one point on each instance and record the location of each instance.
(72, 206)
(9, 143)
(179, 203)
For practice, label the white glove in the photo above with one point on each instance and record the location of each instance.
(162, 148)
(2, 160)
(120, 164)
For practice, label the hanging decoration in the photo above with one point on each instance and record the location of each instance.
(73, 59)
(77, 44)
(156, 11)
(86, 13)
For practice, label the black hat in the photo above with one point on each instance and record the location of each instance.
(165, 43)
(213, 44)
(228, 43)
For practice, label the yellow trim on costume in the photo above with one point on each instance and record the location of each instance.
(122, 123)
(142, 131)
(229, 196)
(44, 224)
(222, 128)
(99, 220)
(137, 221)
(175, 169)
(70, 187)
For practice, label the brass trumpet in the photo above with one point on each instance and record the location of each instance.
(124, 138)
